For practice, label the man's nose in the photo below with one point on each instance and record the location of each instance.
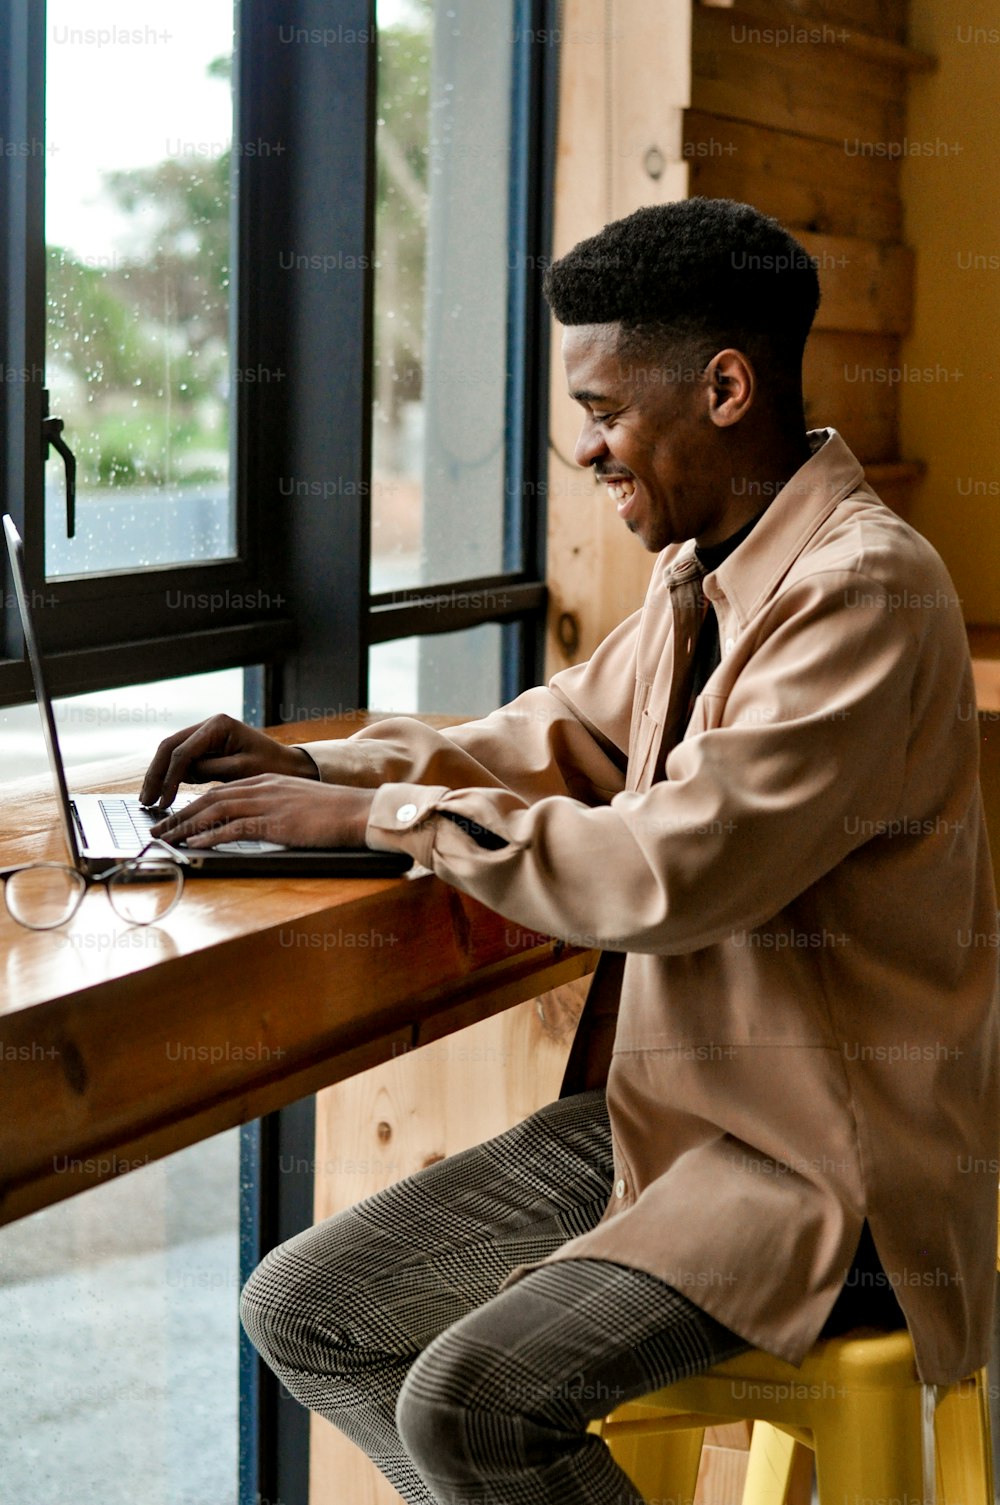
(590, 445)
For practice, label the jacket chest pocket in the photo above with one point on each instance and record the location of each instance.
(647, 729)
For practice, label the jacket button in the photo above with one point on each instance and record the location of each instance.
(619, 1188)
(406, 812)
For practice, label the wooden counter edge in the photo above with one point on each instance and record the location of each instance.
(84, 1160)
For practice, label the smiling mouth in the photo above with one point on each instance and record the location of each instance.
(621, 489)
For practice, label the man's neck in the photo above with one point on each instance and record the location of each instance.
(755, 480)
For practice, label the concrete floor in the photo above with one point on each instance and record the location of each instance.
(118, 1355)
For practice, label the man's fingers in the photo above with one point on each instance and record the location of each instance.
(208, 770)
(200, 814)
(152, 784)
(177, 826)
(216, 814)
(183, 757)
(271, 807)
(233, 828)
(219, 748)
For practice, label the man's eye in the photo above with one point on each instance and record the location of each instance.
(603, 417)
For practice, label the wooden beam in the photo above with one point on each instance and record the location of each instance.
(897, 483)
(884, 18)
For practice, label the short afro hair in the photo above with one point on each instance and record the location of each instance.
(709, 272)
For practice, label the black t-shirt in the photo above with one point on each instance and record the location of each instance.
(707, 656)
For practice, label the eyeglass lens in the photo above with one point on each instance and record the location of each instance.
(145, 891)
(43, 897)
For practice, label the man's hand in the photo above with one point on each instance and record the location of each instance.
(272, 807)
(219, 748)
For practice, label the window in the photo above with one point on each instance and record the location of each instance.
(126, 321)
(259, 500)
(137, 284)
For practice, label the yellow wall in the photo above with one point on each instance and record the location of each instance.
(952, 201)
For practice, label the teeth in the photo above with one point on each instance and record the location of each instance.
(620, 490)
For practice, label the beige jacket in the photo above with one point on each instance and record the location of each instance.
(807, 1011)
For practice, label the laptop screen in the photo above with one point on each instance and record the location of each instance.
(15, 550)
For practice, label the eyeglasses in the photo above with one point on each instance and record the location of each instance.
(143, 890)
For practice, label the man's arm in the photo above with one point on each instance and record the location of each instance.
(812, 755)
(568, 738)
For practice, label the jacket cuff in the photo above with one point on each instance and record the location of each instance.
(342, 761)
(300, 747)
(399, 819)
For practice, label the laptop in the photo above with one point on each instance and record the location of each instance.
(101, 830)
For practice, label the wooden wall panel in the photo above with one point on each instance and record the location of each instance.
(722, 1476)
(806, 183)
(867, 288)
(792, 128)
(620, 146)
(847, 383)
(811, 89)
(884, 18)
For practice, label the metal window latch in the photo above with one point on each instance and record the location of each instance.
(52, 429)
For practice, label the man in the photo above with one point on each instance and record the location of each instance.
(781, 1107)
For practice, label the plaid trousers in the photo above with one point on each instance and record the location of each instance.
(386, 1320)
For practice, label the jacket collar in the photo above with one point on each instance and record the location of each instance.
(752, 571)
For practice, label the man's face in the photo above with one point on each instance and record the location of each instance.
(648, 433)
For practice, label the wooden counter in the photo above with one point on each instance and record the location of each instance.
(119, 1044)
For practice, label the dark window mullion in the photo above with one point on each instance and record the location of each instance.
(320, 102)
(533, 151)
(323, 205)
(527, 322)
(459, 607)
(22, 321)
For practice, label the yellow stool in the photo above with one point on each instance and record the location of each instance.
(856, 1401)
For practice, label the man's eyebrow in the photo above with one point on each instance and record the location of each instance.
(591, 397)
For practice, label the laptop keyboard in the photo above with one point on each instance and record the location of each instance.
(130, 824)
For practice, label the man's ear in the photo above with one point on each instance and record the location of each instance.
(732, 386)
